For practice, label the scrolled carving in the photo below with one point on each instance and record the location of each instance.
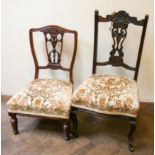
(118, 35)
(53, 40)
(55, 58)
(120, 23)
(122, 19)
(54, 36)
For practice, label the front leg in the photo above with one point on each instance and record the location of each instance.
(74, 121)
(66, 130)
(14, 123)
(131, 134)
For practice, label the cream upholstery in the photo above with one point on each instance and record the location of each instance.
(108, 94)
(45, 97)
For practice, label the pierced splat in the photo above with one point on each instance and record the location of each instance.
(119, 22)
(56, 39)
(53, 35)
(118, 35)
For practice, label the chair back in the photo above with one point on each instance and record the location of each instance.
(120, 22)
(53, 34)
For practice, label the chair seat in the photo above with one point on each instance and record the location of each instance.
(108, 94)
(44, 97)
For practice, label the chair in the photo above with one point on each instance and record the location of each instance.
(110, 95)
(46, 98)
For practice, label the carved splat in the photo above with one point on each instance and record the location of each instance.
(119, 23)
(118, 35)
(55, 37)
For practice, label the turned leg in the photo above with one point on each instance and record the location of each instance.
(66, 129)
(74, 121)
(131, 134)
(14, 123)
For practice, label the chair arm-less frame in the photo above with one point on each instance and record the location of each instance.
(52, 34)
(120, 22)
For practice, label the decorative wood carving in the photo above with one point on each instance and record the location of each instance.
(120, 21)
(54, 35)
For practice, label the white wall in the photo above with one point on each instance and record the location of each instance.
(18, 16)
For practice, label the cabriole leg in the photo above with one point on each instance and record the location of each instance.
(131, 134)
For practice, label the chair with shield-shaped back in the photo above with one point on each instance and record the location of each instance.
(42, 97)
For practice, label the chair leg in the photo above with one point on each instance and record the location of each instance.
(131, 134)
(66, 130)
(74, 121)
(14, 123)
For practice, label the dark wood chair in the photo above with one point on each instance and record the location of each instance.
(47, 98)
(110, 95)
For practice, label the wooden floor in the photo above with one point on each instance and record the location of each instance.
(98, 136)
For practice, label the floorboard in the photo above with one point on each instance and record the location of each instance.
(98, 135)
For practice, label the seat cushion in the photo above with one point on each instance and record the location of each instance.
(108, 94)
(44, 97)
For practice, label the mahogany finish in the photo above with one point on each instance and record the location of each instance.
(53, 34)
(120, 22)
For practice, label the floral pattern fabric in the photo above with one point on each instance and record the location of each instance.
(47, 97)
(108, 94)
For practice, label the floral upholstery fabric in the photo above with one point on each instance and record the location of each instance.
(108, 94)
(45, 97)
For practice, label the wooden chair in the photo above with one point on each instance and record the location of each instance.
(46, 98)
(109, 95)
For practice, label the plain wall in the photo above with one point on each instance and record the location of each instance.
(18, 16)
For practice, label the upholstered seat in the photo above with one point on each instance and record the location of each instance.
(44, 97)
(47, 98)
(108, 94)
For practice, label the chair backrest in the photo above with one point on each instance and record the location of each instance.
(53, 34)
(120, 21)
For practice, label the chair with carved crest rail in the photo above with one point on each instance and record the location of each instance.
(111, 95)
(47, 98)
